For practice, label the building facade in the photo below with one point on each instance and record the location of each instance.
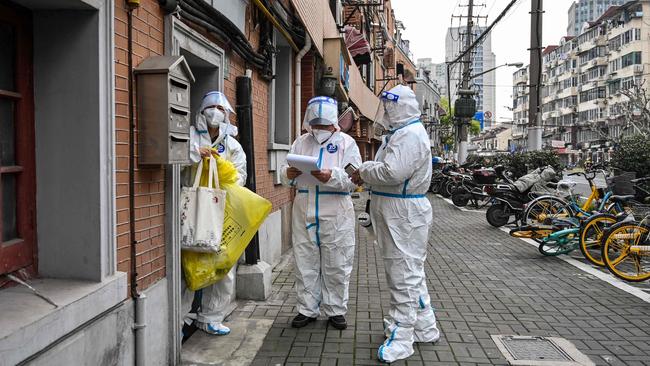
(389, 62)
(437, 73)
(585, 11)
(85, 221)
(493, 141)
(482, 59)
(583, 106)
(520, 91)
(428, 96)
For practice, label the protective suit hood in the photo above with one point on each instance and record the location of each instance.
(215, 99)
(321, 111)
(398, 108)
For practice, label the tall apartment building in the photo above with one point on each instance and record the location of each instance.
(482, 59)
(582, 105)
(584, 11)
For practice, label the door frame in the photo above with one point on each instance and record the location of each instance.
(22, 253)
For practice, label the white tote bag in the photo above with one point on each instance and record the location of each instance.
(202, 213)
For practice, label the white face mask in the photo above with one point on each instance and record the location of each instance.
(321, 136)
(213, 116)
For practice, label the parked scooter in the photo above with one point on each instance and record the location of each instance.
(511, 197)
(472, 188)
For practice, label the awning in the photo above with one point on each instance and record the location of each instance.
(357, 45)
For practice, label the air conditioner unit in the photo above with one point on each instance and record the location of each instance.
(610, 77)
(638, 69)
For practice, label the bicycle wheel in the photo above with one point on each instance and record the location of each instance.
(626, 251)
(448, 189)
(543, 210)
(591, 236)
(562, 245)
(435, 187)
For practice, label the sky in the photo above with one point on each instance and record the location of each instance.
(426, 23)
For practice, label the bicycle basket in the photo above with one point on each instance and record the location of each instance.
(621, 185)
(637, 209)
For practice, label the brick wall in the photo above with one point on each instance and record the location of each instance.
(149, 182)
(148, 41)
(354, 16)
(278, 195)
(307, 82)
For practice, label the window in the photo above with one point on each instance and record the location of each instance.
(591, 94)
(632, 58)
(17, 201)
(614, 86)
(280, 96)
(630, 82)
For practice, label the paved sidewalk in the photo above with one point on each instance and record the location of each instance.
(482, 283)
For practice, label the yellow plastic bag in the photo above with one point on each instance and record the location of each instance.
(245, 212)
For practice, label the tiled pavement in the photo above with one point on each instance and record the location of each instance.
(482, 282)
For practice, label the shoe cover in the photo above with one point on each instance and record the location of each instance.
(426, 330)
(398, 344)
(214, 328)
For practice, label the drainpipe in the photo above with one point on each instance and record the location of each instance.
(138, 298)
(244, 91)
(298, 82)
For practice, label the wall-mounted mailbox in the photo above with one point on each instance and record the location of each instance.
(163, 87)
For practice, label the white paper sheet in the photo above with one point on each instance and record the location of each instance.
(306, 164)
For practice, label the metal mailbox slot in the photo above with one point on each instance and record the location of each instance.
(163, 88)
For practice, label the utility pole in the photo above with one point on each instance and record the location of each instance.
(534, 107)
(467, 70)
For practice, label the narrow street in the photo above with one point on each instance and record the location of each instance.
(482, 283)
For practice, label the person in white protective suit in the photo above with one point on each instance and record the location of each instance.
(323, 216)
(213, 130)
(401, 216)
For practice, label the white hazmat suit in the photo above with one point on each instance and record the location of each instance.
(323, 215)
(401, 216)
(215, 299)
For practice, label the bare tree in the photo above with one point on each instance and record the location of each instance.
(637, 109)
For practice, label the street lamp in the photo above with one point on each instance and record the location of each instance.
(516, 64)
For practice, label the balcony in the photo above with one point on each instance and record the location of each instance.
(601, 102)
(638, 69)
(567, 110)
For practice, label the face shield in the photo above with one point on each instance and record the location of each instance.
(397, 108)
(322, 111)
(387, 106)
(215, 111)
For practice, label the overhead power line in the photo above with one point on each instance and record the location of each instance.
(485, 33)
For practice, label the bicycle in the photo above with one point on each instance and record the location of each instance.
(626, 246)
(594, 229)
(562, 226)
(549, 207)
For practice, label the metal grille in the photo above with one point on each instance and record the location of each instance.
(534, 349)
